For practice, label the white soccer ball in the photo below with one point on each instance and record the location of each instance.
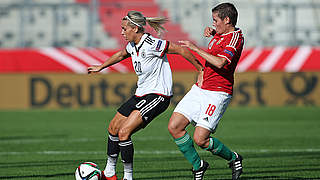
(88, 171)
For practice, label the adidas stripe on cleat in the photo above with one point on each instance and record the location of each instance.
(236, 166)
(198, 175)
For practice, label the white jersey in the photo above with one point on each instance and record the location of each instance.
(151, 64)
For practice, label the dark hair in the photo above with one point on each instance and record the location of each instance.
(227, 10)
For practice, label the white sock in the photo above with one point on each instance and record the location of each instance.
(110, 168)
(128, 171)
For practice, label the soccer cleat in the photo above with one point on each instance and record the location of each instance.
(236, 166)
(198, 175)
(103, 177)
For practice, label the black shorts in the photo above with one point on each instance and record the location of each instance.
(150, 106)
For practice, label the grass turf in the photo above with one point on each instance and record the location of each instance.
(276, 143)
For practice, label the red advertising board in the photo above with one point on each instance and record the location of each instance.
(76, 60)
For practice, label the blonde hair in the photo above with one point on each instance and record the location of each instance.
(136, 18)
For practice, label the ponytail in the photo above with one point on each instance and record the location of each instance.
(156, 23)
(136, 18)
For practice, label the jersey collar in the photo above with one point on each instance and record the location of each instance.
(143, 37)
(236, 30)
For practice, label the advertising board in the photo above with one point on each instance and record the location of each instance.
(67, 90)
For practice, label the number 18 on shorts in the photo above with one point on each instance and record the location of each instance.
(203, 108)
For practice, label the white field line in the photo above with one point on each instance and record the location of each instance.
(137, 152)
(71, 140)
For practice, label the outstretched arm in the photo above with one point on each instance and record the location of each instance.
(214, 60)
(115, 58)
(184, 52)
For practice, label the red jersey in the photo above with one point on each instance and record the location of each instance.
(228, 46)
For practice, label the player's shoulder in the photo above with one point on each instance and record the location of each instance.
(155, 44)
(130, 47)
(153, 41)
(130, 44)
(234, 38)
(149, 40)
(237, 33)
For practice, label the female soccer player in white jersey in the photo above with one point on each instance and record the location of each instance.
(205, 103)
(154, 90)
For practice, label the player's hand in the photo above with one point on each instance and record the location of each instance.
(94, 69)
(209, 31)
(188, 44)
(200, 78)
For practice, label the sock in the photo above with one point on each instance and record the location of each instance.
(218, 148)
(113, 153)
(110, 169)
(127, 151)
(128, 171)
(185, 145)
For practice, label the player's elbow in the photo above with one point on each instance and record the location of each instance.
(221, 63)
(182, 51)
(175, 49)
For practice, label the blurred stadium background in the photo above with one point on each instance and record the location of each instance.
(47, 100)
(95, 23)
(66, 36)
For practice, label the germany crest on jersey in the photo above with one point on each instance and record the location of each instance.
(150, 63)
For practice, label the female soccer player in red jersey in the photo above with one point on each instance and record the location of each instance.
(205, 103)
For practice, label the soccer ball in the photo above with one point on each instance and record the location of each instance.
(88, 171)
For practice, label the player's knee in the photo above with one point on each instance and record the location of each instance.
(174, 125)
(173, 128)
(112, 130)
(200, 141)
(123, 134)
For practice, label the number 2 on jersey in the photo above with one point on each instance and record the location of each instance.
(210, 110)
(137, 67)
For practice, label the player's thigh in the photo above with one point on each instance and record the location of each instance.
(132, 124)
(142, 111)
(213, 106)
(123, 113)
(152, 105)
(190, 104)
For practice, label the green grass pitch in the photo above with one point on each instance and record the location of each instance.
(276, 143)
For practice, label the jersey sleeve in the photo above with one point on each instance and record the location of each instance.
(210, 49)
(129, 48)
(232, 42)
(160, 47)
